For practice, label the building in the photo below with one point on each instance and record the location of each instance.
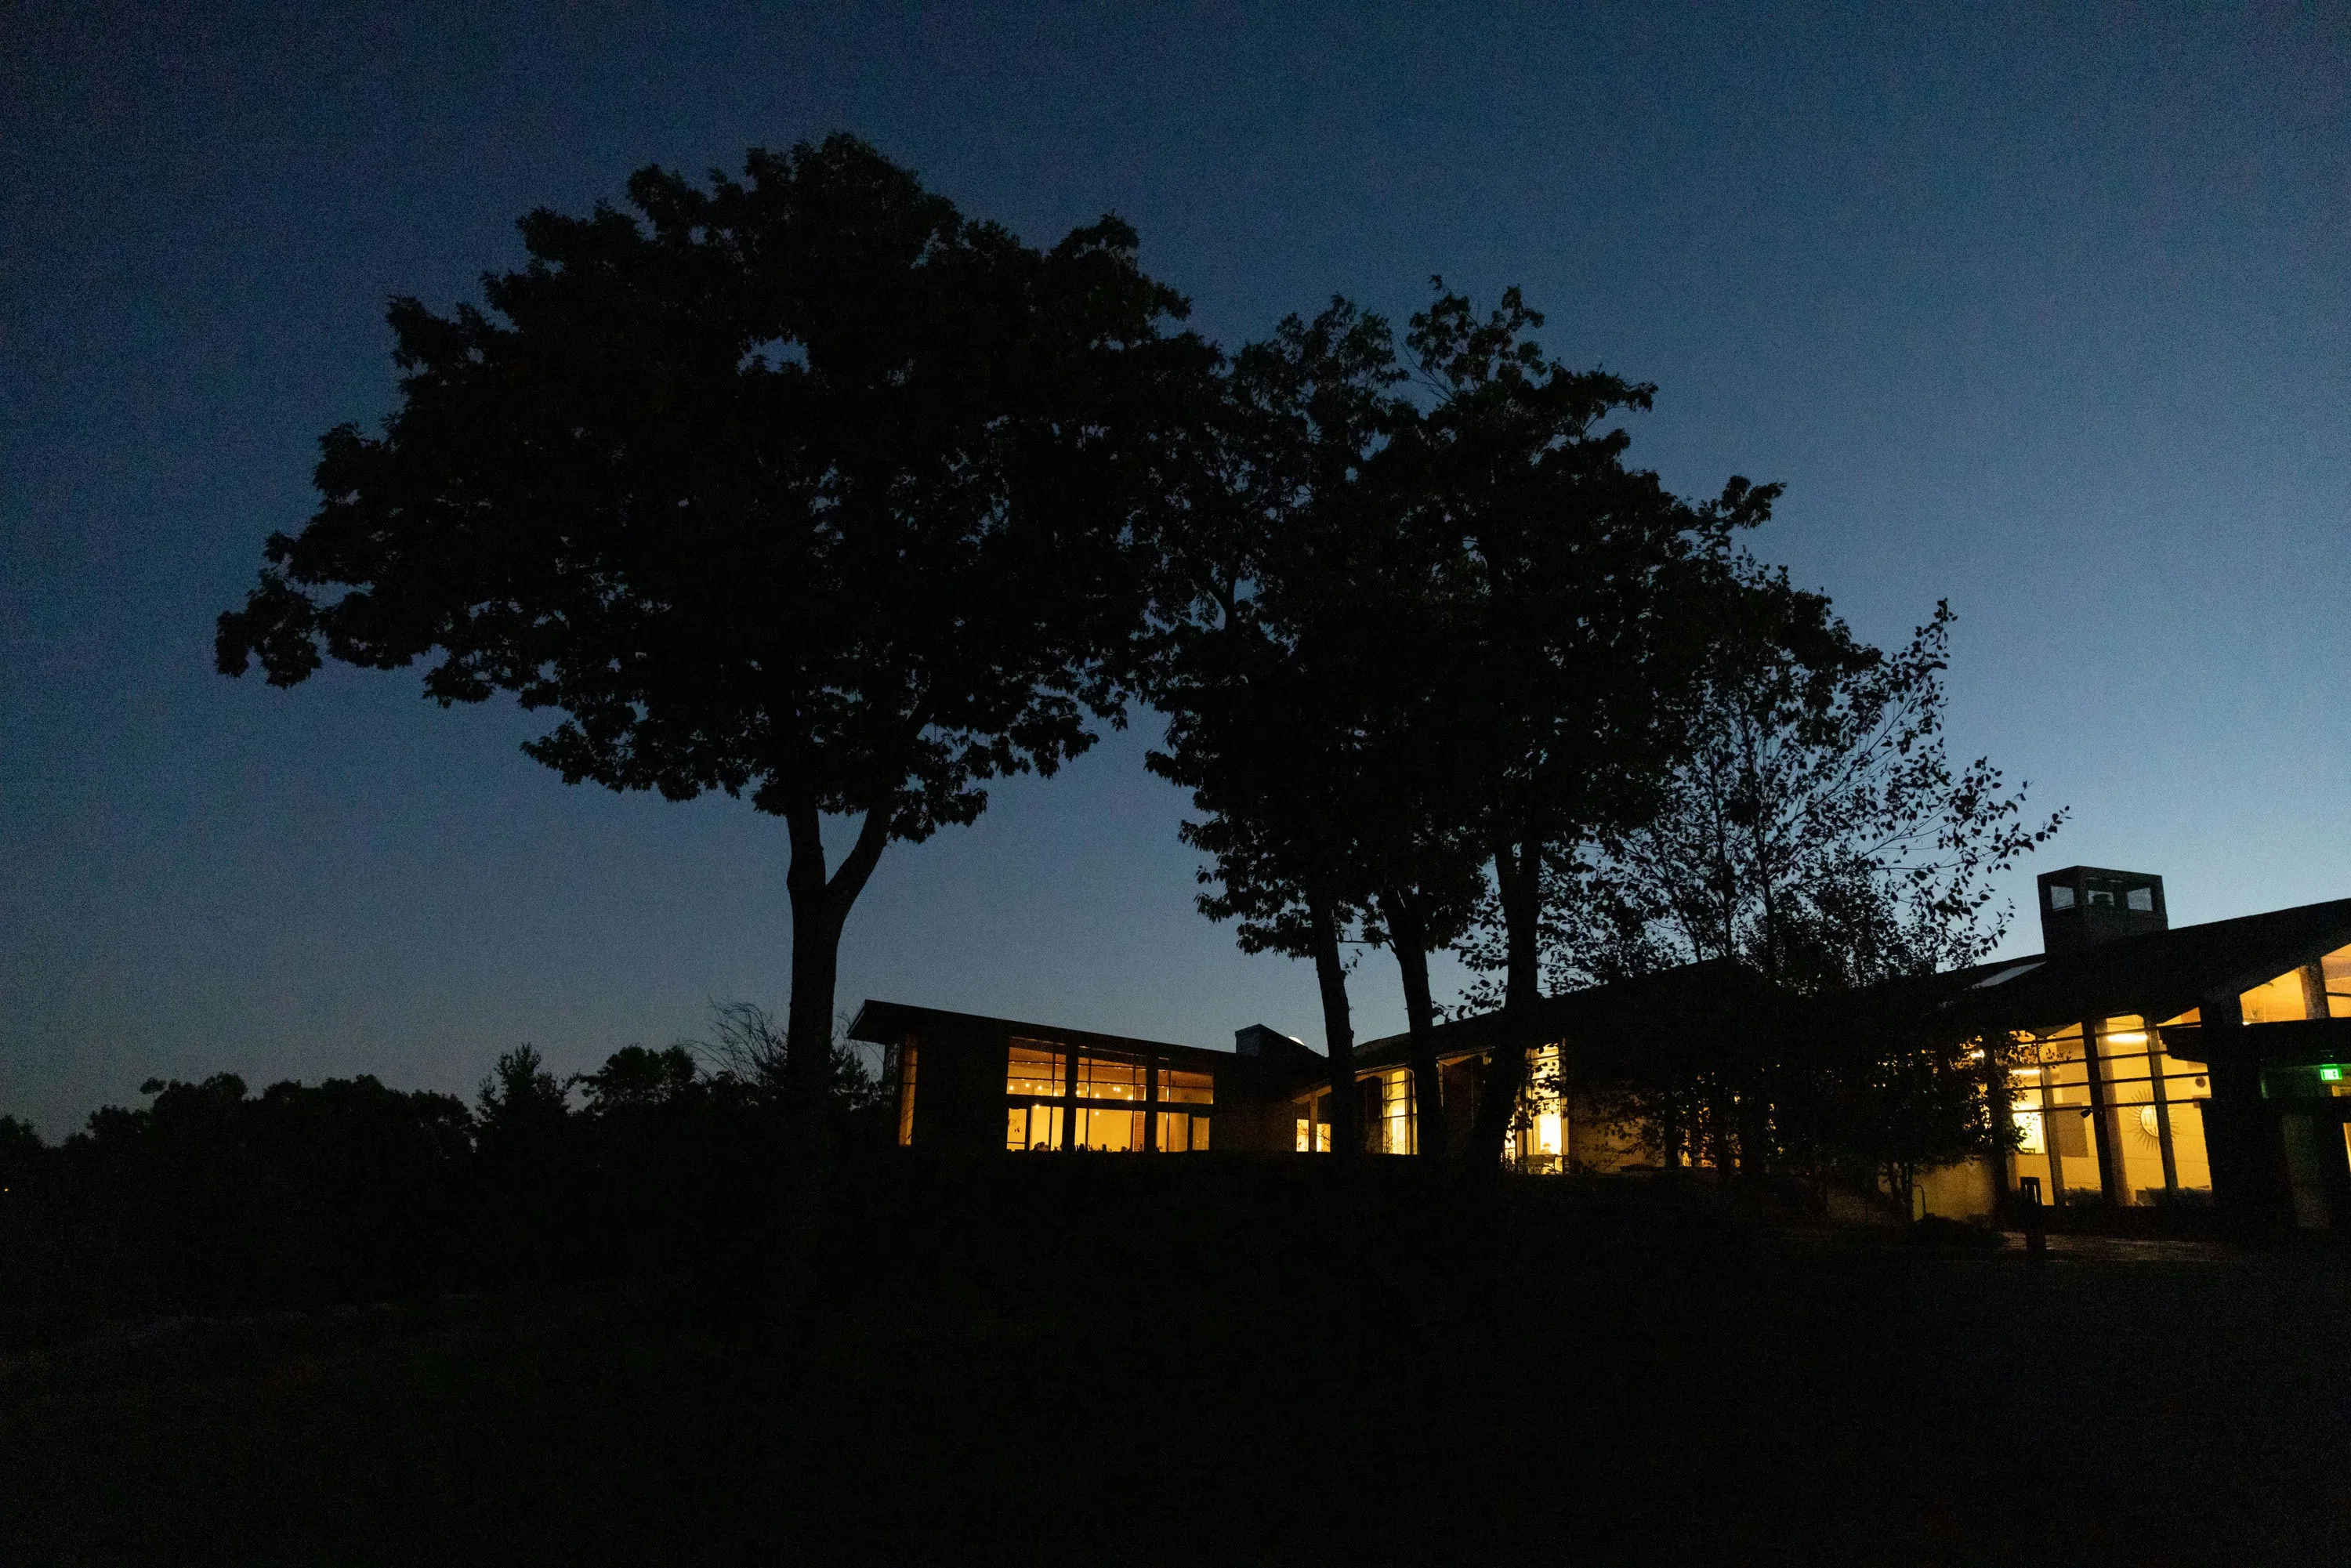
(2209, 1065)
(969, 1084)
(2201, 1065)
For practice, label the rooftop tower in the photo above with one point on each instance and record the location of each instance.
(2084, 906)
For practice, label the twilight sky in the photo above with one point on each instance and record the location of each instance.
(2045, 310)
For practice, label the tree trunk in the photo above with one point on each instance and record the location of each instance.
(1721, 1127)
(1338, 1032)
(1754, 1135)
(820, 905)
(1518, 877)
(1669, 1135)
(1409, 935)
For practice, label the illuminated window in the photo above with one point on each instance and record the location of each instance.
(1099, 1078)
(2277, 1002)
(1033, 1127)
(1033, 1067)
(2028, 1132)
(1394, 1131)
(1180, 1132)
(1540, 1139)
(2336, 969)
(1546, 1130)
(1187, 1087)
(906, 1056)
(1305, 1131)
(1114, 1132)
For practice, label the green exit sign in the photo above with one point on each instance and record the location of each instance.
(2330, 1075)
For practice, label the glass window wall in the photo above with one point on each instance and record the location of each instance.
(1101, 1078)
(2280, 1000)
(2335, 970)
(1179, 1088)
(1033, 1127)
(1538, 1137)
(1036, 1068)
(1113, 1094)
(1391, 1133)
(1181, 1132)
(1111, 1131)
(2151, 1132)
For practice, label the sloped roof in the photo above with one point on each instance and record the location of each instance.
(1712, 1001)
(2157, 975)
(886, 1023)
(1722, 1005)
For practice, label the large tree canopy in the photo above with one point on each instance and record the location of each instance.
(1588, 597)
(801, 487)
(1260, 665)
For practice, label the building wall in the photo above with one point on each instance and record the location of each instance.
(959, 1091)
(1960, 1192)
(1264, 1127)
(1602, 1147)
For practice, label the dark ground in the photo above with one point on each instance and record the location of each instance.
(1067, 1361)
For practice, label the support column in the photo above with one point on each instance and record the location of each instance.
(2110, 1155)
(2243, 1139)
(2000, 1113)
(2048, 1149)
(2162, 1097)
(1151, 1106)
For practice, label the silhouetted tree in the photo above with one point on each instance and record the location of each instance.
(747, 1044)
(520, 1108)
(636, 1079)
(804, 486)
(20, 1147)
(1817, 828)
(1592, 593)
(210, 1198)
(1426, 865)
(1818, 832)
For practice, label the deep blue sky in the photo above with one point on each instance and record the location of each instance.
(2046, 310)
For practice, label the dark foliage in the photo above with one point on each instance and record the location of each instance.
(1816, 831)
(1591, 597)
(1275, 599)
(804, 487)
(212, 1200)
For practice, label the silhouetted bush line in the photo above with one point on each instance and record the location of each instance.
(214, 1201)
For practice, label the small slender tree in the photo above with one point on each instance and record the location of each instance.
(1818, 832)
(804, 487)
